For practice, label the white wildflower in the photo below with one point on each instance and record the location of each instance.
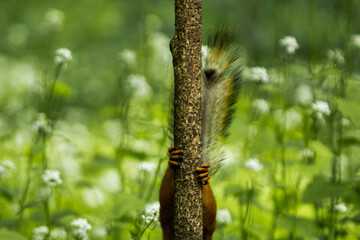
(128, 56)
(254, 164)
(52, 177)
(151, 212)
(80, 228)
(139, 85)
(40, 233)
(63, 55)
(336, 56)
(345, 122)
(146, 167)
(355, 41)
(304, 94)
(6, 167)
(344, 162)
(290, 44)
(8, 164)
(289, 118)
(45, 192)
(100, 232)
(113, 130)
(58, 234)
(341, 207)
(42, 124)
(321, 108)
(261, 105)
(293, 119)
(110, 181)
(256, 74)
(308, 153)
(252, 131)
(160, 45)
(54, 18)
(2, 171)
(223, 216)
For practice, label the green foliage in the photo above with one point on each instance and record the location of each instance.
(320, 188)
(7, 234)
(97, 115)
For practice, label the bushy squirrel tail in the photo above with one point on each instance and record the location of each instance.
(220, 89)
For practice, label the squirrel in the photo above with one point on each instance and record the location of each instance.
(219, 91)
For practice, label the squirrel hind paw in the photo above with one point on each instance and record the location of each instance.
(203, 173)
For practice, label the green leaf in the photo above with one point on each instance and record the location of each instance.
(256, 231)
(56, 217)
(321, 188)
(305, 227)
(31, 204)
(63, 90)
(351, 140)
(6, 234)
(6, 193)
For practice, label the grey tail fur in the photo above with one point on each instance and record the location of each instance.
(220, 90)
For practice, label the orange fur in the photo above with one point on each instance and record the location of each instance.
(167, 208)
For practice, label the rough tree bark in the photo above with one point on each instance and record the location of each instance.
(186, 51)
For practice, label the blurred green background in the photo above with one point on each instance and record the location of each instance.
(292, 169)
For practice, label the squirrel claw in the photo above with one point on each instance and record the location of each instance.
(176, 156)
(203, 173)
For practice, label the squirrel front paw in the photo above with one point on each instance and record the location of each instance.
(203, 173)
(176, 157)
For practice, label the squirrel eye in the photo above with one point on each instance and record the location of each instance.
(210, 73)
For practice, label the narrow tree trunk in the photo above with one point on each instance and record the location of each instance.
(186, 51)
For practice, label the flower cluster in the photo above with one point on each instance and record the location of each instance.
(80, 228)
(100, 232)
(51, 178)
(58, 234)
(341, 207)
(63, 55)
(2, 171)
(146, 167)
(139, 85)
(261, 106)
(292, 119)
(254, 164)
(151, 212)
(321, 108)
(345, 122)
(223, 216)
(336, 56)
(256, 74)
(42, 125)
(355, 41)
(128, 57)
(54, 18)
(308, 153)
(5, 167)
(40, 233)
(304, 94)
(290, 44)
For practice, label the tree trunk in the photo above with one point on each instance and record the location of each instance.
(186, 51)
